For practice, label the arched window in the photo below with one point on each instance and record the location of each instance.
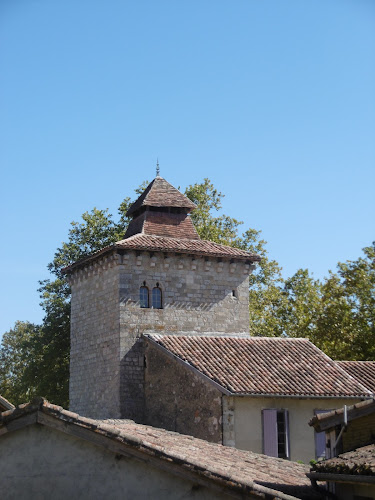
(156, 297)
(143, 296)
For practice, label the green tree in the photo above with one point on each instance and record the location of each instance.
(266, 282)
(15, 359)
(347, 322)
(96, 231)
(265, 288)
(337, 315)
(301, 306)
(220, 229)
(47, 358)
(35, 359)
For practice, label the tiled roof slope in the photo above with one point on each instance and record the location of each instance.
(237, 471)
(162, 224)
(363, 371)
(179, 245)
(159, 193)
(145, 242)
(165, 230)
(263, 365)
(358, 462)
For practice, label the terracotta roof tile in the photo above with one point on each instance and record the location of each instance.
(362, 371)
(160, 229)
(179, 245)
(145, 242)
(358, 462)
(159, 193)
(242, 471)
(263, 365)
(163, 224)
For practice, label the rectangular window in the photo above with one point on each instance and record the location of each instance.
(276, 433)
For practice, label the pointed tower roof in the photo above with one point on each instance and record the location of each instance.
(159, 193)
(161, 223)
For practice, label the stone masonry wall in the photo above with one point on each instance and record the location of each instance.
(200, 295)
(360, 432)
(95, 341)
(179, 400)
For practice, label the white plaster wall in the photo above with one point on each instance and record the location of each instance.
(39, 463)
(248, 429)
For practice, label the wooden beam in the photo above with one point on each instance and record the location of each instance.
(341, 478)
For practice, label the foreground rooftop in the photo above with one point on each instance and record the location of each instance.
(352, 467)
(239, 472)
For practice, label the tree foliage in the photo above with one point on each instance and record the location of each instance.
(15, 360)
(35, 359)
(336, 314)
(347, 321)
(301, 305)
(266, 280)
(220, 229)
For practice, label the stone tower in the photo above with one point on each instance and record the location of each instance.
(162, 278)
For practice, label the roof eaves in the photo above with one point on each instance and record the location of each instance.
(89, 258)
(139, 248)
(298, 395)
(325, 421)
(42, 411)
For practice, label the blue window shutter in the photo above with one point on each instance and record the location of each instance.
(320, 439)
(320, 444)
(270, 432)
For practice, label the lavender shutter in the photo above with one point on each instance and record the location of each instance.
(270, 432)
(320, 439)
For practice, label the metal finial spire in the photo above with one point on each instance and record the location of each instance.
(157, 168)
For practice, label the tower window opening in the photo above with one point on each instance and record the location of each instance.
(157, 298)
(144, 297)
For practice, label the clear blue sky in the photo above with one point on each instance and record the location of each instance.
(273, 100)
